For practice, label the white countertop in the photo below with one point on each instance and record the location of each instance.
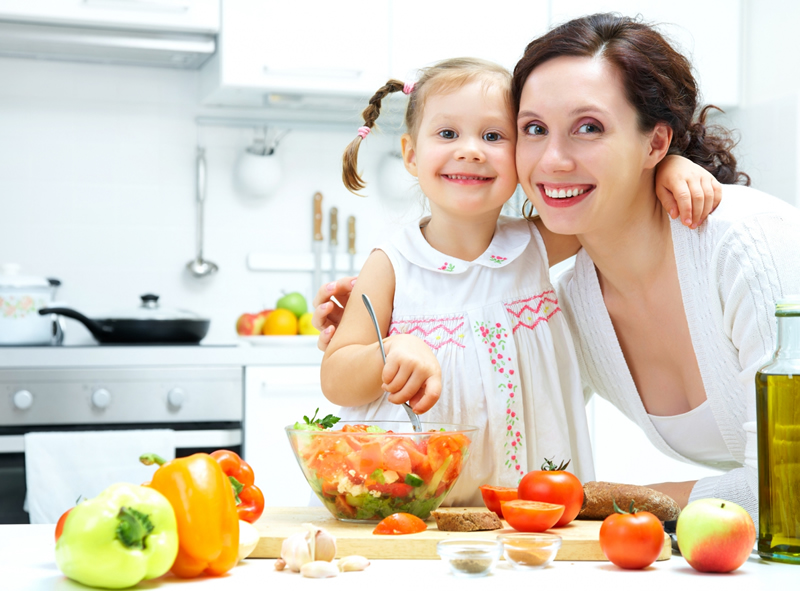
(27, 562)
(300, 350)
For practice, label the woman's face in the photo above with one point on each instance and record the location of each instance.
(581, 158)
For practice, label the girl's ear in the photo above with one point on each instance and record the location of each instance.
(660, 140)
(409, 154)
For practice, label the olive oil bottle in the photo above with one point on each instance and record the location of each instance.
(778, 416)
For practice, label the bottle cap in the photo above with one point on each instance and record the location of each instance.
(788, 306)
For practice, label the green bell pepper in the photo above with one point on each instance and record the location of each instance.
(126, 534)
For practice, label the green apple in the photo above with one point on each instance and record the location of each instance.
(715, 536)
(294, 302)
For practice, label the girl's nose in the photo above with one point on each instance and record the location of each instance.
(469, 150)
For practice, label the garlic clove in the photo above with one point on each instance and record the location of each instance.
(295, 551)
(352, 563)
(319, 569)
(280, 564)
(324, 546)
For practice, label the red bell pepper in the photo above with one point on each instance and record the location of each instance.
(249, 498)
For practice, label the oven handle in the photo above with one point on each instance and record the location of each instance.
(216, 438)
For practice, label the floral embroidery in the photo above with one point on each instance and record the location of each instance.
(529, 312)
(12, 307)
(495, 337)
(447, 267)
(497, 259)
(435, 332)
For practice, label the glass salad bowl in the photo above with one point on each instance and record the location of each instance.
(363, 473)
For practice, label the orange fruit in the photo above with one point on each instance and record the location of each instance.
(280, 322)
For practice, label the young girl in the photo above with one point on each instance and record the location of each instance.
(475, 334)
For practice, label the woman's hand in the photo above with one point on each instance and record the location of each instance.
(327, 315)
(686, 189)
(412, 373)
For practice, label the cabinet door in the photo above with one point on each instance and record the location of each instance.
(708, 33)
(274, 398)
(424, 32)
(198, 16)
(311, 46)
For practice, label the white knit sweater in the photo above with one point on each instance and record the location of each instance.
(731, 270)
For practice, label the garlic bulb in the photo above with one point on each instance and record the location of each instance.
(352, 563)
(319, 569)
(304, 547)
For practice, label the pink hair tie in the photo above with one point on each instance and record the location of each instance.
(408, 87)
(363, 132)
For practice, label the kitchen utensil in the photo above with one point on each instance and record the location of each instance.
(21, 297)
(351, 243)
(412, 416)
(317, 243)
(333, 243)
(580, 540)
(258, 171)
(198, 266)
(147, 324)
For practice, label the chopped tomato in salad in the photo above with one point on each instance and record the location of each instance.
(368, 474)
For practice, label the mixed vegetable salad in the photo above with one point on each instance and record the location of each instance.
(365, 473)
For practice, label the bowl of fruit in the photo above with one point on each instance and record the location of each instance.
(365, 472)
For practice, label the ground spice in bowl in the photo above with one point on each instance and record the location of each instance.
(527, 551)
(470, 558)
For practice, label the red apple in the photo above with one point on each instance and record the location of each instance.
(715, 536)
(245, 324)
(259, 320)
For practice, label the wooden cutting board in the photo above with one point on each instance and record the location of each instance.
(580, 539)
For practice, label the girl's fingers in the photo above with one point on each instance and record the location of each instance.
(708, 199)
(325, 337)
(411, 386)
(667, 201)
(394, 377)
(717, 186)
(696, 189)
(427, 396)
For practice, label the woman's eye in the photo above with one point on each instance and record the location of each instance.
(589, 128)
(536, 129)
(492, 136)
(448, 134)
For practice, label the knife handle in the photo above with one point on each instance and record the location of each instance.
(351, 234)
(318, 217)
(334, 215)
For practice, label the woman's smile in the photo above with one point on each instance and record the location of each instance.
(561, 195)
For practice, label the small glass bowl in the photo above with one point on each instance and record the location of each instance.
(470, 558)
(529, 551)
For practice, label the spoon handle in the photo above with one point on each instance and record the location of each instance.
(412, 416)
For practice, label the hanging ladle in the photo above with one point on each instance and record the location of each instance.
(412, 416)
(197, 266)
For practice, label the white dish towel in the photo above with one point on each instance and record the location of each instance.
(61, 466)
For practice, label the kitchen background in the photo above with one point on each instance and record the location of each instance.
(98, 160)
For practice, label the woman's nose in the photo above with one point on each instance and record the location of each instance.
(556, 156)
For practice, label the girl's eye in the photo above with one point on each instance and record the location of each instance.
(448, 134)
(535, 129)
(590, 128)
(492, 136)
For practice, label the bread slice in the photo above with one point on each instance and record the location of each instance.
(599, 498)
(465, 519)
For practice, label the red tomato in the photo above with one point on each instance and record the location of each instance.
(494, 495)
(551, 485)
(395, 489)
(371, 457)
(343, 507)
(531, 515)
(632, 540)
(60, 524)
(400, 523)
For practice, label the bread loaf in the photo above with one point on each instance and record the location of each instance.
(599, 497)
(465, 519)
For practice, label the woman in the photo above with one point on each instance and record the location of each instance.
(670, 324)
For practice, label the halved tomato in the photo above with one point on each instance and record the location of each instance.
(400, 523)
(493, 496)
(531, 515)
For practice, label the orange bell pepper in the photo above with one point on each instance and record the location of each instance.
(208, 523)
(249, 498)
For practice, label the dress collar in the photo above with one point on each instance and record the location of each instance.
(511, 237)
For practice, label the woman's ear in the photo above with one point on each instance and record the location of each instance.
(660, 140)
(409, 154)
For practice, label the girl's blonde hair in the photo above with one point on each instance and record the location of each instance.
(445, 76)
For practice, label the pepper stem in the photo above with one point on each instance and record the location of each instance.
(150, 459)
(237, 488)
(133, 528)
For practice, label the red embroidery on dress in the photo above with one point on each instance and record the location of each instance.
(434, 341)
(539, 308)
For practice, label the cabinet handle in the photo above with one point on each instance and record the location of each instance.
(141, 5)
(314, 72)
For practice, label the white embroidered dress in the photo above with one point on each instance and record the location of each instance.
(507, 357)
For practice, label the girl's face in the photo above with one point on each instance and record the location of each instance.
(463, 155)
(582, 160)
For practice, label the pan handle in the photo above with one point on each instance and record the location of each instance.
(94, 327)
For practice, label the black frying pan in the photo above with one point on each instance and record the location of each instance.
(139, 330)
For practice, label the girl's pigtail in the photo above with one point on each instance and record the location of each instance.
(352, 180)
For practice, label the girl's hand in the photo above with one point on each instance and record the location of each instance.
(327, 315)
(686, 189)
(412, 373)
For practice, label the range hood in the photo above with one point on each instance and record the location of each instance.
(106, 45)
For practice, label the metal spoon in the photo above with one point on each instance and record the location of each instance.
(198, 266)
(412, 416)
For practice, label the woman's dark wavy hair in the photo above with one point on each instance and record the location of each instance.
(658, 81)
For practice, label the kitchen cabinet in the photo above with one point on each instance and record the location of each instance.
(189, 16)
(277, 396)
(275, 53)
(708, 33)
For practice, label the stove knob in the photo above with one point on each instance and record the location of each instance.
(23, 399)
(175, 397)
(101, 398)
